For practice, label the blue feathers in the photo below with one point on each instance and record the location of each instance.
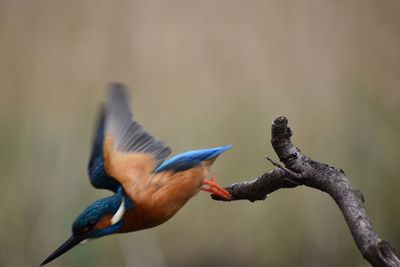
(97, 173)
(191, 159)
(95, 211)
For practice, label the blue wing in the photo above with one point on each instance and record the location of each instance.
(97, 173)
(191, 159)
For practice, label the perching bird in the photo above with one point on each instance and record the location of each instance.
(127, 160)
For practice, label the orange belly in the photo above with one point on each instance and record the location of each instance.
(159, 198)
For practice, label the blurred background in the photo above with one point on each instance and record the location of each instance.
(202, 74)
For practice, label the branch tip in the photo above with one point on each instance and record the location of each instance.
(281, 120)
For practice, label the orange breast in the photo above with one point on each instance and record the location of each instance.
(157, 200)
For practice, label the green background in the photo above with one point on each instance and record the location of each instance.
(202, 74)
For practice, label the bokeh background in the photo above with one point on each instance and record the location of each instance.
(202, 74)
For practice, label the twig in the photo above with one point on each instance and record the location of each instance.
(276, 164)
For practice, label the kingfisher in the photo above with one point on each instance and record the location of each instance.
(147, 189)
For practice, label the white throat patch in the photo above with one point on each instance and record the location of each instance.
(120, 212)
(87, 240)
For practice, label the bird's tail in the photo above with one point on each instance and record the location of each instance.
(215, 153)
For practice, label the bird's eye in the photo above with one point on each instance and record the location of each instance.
(89, 226)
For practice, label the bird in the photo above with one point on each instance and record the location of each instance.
(148, 189)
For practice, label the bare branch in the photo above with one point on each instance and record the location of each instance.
(301, 170)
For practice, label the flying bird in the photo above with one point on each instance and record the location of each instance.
(148, 190)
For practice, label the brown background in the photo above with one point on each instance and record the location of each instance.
(202, 74)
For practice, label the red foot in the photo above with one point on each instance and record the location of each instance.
(216, 189)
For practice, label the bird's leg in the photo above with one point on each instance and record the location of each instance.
(216, 189)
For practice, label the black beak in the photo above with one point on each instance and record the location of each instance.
(70, 243)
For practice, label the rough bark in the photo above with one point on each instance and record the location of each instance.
(301, 170)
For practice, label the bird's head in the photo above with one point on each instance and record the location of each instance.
(102, 217)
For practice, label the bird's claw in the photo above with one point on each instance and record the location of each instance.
(214, 188)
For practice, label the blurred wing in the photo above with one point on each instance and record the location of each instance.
(97, 173)
(130, 152)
